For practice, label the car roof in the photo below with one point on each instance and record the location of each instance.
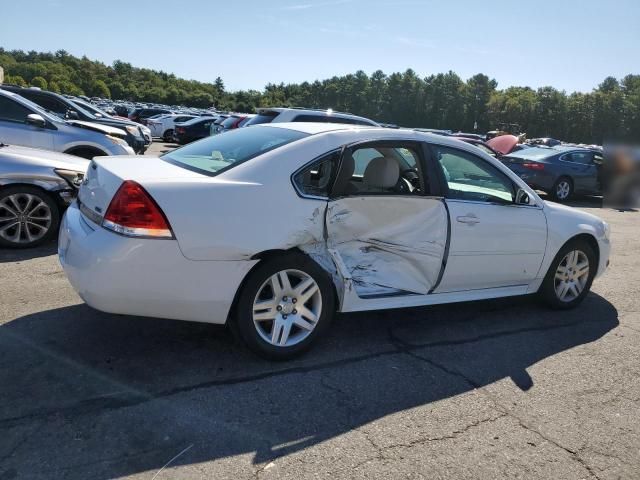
(313, 128)
(379, 133)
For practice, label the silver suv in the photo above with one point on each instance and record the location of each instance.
(22, 122)
(269, 115)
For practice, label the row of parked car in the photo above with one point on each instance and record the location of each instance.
(45, 139)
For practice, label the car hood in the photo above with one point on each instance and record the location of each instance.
(503, 144)
(35, 156)
(96, 127)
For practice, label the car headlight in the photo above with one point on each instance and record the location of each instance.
(72, 177)
(116, 140)
(132, 130)
(145, 130)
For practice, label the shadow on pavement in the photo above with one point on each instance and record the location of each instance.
(92, 395)
(19, 255)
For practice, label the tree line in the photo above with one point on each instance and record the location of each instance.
(442, 101)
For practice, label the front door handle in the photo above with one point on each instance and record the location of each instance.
(469, 219)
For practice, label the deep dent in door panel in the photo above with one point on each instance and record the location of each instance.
(383, 246)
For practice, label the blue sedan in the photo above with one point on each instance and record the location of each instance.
(560, 171)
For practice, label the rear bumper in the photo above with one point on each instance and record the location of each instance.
(152, 278)
(539, 180)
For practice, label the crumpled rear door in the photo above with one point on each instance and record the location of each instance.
(388, 245)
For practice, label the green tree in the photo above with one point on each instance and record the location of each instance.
(15, 80)
(39, 82)
(99, 89)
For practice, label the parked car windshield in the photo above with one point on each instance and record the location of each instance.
(86, 107)
(262, 117)
(218, 153)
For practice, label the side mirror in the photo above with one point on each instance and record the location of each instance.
(72, 115)
(36, 120)
(522, 197)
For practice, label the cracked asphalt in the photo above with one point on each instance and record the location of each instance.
(495, 389)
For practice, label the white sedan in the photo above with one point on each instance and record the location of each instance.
(273, 228)
(162, 126)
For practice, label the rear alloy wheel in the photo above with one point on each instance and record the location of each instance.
(28, 217)
(570, 275)
(562, 189)
(168, 135)
(285, 305)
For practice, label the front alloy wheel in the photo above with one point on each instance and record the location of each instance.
(562, 189)
(28, 217)
(570, 275)
(286, 303)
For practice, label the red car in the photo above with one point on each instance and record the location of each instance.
(496, 147)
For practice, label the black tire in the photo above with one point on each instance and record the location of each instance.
(547, 290)
(242, 322)
(168, 135)
(20, 193)
(558, 194)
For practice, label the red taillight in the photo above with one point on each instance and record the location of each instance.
(534, 166)
(180, 130)
(133, 212)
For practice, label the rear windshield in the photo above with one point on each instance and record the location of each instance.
(229, 122)
(213, 155)
(263, 117)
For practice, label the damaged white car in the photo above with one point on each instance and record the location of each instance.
(273, 228)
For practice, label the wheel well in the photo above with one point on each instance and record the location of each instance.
(566, 177)
(591, 240)
(262, 257)
(30, 185)
(52, 195)
(90, 152)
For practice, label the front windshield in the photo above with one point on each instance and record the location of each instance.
(218, 153)
(90, 108)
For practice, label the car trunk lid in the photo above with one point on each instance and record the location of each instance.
(106, 174)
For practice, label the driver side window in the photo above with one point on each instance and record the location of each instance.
(471, 178)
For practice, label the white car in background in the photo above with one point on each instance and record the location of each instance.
(285, 115)
(24, 123)
(162, 126)
(274, 228)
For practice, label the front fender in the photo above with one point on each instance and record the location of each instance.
(565, 223)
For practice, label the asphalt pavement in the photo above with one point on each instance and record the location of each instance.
(493, 389)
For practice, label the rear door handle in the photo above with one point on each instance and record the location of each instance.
(469, 219)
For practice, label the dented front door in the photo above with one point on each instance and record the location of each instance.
(387, 245)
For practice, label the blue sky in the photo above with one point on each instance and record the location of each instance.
(571, 45)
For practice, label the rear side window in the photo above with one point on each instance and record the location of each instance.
(12, 111)
(264, 117)
(584, 158)
(219, 153)
(314, 180)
